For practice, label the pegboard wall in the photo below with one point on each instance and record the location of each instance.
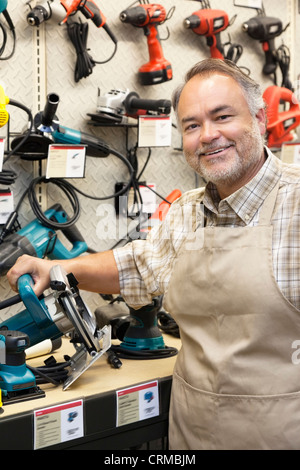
(44, 62)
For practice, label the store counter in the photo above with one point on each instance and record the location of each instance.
(105, 408)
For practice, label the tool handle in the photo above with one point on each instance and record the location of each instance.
(154, 45)
(30, 300)
(79, 246)
(91, 11)
(72, 233)
(216, 48)
(133, 103)
(270, 57)
(50, 109)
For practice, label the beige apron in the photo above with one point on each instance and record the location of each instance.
(235, 385)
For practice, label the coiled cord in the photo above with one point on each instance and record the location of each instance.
(70, 191)
(123, 353)
(78, 34)
(52, 372)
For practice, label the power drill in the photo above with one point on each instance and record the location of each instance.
(148, 17)
(265, 29)
(209, 23)
(61, 10)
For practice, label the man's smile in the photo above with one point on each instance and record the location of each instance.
(214, 151)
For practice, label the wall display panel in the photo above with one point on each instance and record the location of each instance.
(45, 62)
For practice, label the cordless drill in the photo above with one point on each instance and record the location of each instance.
(265, 29)
(209, 23)
(148, 17)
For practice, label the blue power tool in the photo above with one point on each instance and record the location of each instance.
(61, 312)
(17, 382)
(37, 240)
(48, 130)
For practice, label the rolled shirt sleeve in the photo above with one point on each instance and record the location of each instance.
(145, 265)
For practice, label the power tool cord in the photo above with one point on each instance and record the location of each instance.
(78, 34)
(9, 176)
(132, 157)
(70, 191)
(52, 372)
(25, 137)
(123, 353)
(283, 59)
(12, 29)
(167, 324)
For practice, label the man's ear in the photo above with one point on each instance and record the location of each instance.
(262, 121)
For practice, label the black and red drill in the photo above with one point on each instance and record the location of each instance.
(149, 16)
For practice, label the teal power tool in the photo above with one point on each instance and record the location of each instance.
(61, 312)
(137, 330)
(48, 130)
(38, 240)
(143, 332)
(17, 382)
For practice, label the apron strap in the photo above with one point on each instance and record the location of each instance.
(267, 208)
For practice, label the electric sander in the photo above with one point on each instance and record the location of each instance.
(17, 382)
(136, 329)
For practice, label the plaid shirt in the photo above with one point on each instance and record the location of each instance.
(145, 266)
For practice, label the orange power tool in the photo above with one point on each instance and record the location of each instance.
(148, 17)
(209, 23)
(281, 123)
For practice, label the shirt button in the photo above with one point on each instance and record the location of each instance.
(247, 217)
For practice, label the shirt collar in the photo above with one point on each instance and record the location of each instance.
(246, 201)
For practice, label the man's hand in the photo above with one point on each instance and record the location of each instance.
(38, 269)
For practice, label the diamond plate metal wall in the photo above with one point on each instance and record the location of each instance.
(56, 60)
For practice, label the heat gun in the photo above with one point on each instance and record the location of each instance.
(281, 123)
(265, 29)
(149, 17)
(38, 240)
(209, 23)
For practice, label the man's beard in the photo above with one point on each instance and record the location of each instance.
(246, 154)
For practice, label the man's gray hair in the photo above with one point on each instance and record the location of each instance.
(251, 89)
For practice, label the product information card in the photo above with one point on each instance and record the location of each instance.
(58, 424)
(65, 161)
(137, 403)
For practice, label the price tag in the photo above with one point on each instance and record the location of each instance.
(154, 131)
(6, 205)
(65, 161)
(137, 403)
(58, 424)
